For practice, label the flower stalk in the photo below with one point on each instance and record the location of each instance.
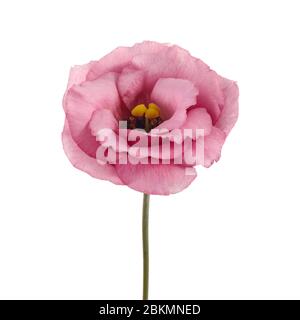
(145, 228)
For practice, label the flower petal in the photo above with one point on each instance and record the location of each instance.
(82, 100)
(175, 62)
(121, 57)
(213, 144)
(130, 85)
(102, 119)
(79, 73)
(156, 178)
(82, 161)
(230, 109)
(198, 118)
(209, 153)
(173, 96)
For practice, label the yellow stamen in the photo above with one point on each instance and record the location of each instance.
(153, 106)
(152, 113)
(139, 110)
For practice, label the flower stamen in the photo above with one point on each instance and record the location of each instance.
(142, 115)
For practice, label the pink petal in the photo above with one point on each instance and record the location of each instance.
(156, 178)
(213, 144)
(173, 96)
(102, 119)
(165, 149)
(175, 62)
(82, 161)
(198, 118)
(86, 141)
(229, 113)
(156, 65)
(130, 85)
(82, 100)
(79, 73)
(212, 149)
(121, 57)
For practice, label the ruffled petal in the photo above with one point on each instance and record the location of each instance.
(82, 161)
(198, 118)
(121, 57)
(230, 109)
(80, 103)
(213, 144)
(173, 96)
(102, 119)
(175, 62)
(130, 85)
(79, 73)
(208, 147)
(156, 178)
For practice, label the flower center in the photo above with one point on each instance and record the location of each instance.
(143, 117)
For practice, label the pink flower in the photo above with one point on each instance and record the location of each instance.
(189, 95)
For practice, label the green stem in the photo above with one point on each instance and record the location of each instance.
(145, 223)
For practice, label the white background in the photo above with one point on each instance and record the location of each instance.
(233, 234)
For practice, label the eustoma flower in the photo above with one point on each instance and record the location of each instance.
(187, 92)
(139, 116)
